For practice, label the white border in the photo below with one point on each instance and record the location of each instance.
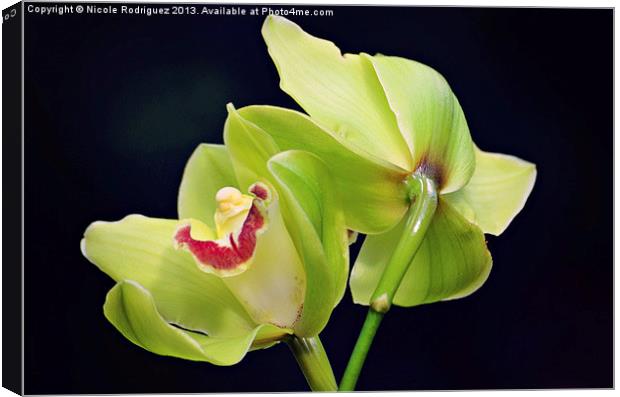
(481, 3)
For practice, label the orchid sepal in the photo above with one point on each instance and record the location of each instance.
(141, 249)
(496, 192)
(348, 88)
(133, 312)
(452, 262)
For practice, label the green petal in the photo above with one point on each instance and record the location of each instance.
(452, 262)
(141, 249)
(302, 207)
(340, 92)
(208, 170)
(249, 148)
(371, 189)
(496, 192)
(133, 311)
(430, 118)
(311, 210)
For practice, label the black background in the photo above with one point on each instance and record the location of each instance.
(116, 104)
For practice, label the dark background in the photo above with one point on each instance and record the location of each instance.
(116, 104)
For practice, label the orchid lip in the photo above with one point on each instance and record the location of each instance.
(233, 251)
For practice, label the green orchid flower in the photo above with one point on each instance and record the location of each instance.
(257, 256)
(397, 143)
(383, 124)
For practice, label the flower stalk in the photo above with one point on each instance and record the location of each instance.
(423, 195)
(360, 351)
(313, 362)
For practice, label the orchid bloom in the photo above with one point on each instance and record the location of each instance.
(259, 255)
(397, 143)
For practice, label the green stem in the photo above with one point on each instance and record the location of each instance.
(313, 362)
(423, 206)
(360, 351)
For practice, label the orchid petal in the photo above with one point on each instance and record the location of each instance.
(208, 170)
(341, 92)
(134, 312)
(374, 197)
(497, 191)
(311, 210)
(141, 249)
(430, 118)
(303, 205)
(452, 262)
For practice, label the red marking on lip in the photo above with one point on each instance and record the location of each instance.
(223, 257)
(259, 191)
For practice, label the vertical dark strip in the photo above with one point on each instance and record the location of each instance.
(12, 198)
